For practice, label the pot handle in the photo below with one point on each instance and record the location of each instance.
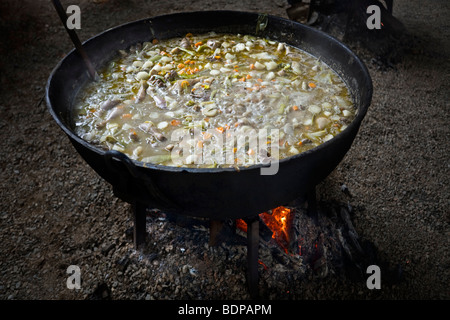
(153, 190)
(109, 155)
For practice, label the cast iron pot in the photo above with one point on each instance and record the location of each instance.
(219, 193)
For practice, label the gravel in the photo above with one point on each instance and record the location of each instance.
(56, 212)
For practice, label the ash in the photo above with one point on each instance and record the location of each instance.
(178, 262)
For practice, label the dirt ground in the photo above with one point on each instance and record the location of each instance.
(55, 211)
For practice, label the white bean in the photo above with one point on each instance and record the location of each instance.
(239, 47)
(322, 122)
(314, 109)
(230, 56)
(210, 110)
(293, 150)
(163, 125)
(280, 47)
(223, 69)
(326, 105)
(190, 159)
(271, 65)
(259, 65)
(346, 113)
(270, 76)
(142, 75)
(165, 59)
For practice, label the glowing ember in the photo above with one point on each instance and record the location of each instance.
(279, 222)
(241, 225)
(262, 263)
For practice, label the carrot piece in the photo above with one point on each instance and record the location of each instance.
(198, 44)
(184, 84)
(252, 66)
(260, 80)
(127, 116)
(175, 122)
(181, 66)
(220, 129)
(227, 126)
(217, 57)
(200, 144)
(312, 85)
(295, 108)
(242, 79)
(248, 76)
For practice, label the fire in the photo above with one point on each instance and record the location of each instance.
(241, 224)
(279, 222)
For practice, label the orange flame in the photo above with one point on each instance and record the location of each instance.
(241, 225)
(279, 222)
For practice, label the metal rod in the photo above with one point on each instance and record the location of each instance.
(139, 228)
(312, 205)
(252, 256)
(76, 41)
(215, 229)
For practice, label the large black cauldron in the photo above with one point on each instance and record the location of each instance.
(214, 193)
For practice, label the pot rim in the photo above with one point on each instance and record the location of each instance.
(354, 125)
